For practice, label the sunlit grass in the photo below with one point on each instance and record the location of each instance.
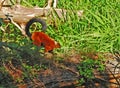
(98, 28)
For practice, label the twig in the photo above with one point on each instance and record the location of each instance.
(22, 30)
(114, 76)
(2, 28)
(67, 68)
(1, 4)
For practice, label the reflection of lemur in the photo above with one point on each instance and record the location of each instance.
(40, 38)
(52, 3)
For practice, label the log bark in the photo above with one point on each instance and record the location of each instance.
(22, 14)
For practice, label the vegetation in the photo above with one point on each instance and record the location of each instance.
(97, 30)
(87, 67)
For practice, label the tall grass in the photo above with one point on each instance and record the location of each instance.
(98, 29)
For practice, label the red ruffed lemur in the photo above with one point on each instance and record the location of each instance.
(40, 38)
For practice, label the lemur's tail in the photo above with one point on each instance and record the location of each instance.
(31, 21)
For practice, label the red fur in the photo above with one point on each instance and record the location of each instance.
(42, 38)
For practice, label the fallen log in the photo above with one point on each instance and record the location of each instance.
(22, 14)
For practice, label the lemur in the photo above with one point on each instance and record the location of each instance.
(40, 38)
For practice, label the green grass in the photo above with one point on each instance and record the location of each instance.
(98, 29)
